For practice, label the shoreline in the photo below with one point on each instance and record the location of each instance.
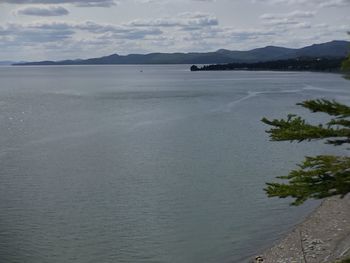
(323, 236)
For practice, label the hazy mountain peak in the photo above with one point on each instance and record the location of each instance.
(333, 49)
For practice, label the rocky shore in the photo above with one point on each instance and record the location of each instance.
(323, 237)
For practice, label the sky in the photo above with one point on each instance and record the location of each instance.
(33, 30)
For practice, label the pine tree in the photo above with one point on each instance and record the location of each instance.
(320, 176)
(346, 68)
(346, 65)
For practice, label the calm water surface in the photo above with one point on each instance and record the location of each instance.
(111, 164)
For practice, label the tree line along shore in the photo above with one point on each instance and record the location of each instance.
(299, 64)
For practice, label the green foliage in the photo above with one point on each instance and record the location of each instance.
(344, 261)
(346, 68)
(318, 177)
(321, 176)
(330, 107)
(346, 65)
(296, 64)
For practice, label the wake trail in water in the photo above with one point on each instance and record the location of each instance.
(313, 88)
(252, 94)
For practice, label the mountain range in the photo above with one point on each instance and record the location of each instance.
(333, 49)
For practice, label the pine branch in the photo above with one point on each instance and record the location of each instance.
(330, 107)
(321, 176)
(339, 122)
(297, 129)
(318, 177)
(346, 65)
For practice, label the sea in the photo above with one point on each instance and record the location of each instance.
(148, 163)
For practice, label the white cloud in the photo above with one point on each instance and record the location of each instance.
(292, 20)
(315, 3)
(43, 11)
(187, 21)
(37, 33)
(82, 3)
(292, 15)
(144, 26)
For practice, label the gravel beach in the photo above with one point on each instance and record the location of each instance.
(324, 236)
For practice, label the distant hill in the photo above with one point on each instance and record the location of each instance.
(333, 49)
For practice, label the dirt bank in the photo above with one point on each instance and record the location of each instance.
(324, 236)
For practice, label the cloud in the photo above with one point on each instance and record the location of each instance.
(288, 20)
(334, 3)
(169, 1)
(163, 26)
(116, 31)
(292, 15)
(35, 33)
(43, 11)
(314, 3)
(153, 36)
(186, 21)
(81, 3)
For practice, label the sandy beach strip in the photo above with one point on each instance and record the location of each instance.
(323, 237)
